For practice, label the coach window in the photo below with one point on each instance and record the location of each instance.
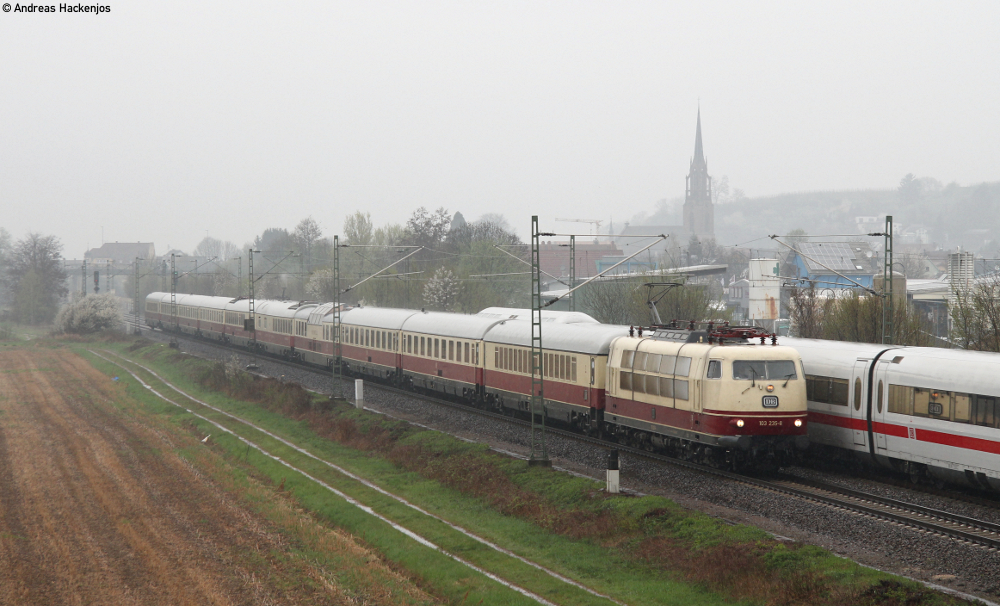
(653, 386)
(666, 387)
(593, 370)
(682, 369)
(451, 350)
(681, 389)
(880, 397)
(466, 352)
(626, 380)
(475, 354)
(573, 369)
(714, 369)
(437, 348)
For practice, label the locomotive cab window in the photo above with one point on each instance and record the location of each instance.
(714, 369)
(754, 370)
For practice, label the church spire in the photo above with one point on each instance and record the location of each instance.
(699, 155)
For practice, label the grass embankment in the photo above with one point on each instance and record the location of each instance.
(639, 550)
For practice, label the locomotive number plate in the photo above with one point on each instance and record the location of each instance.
(770, 401)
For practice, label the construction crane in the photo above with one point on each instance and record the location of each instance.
(595, 224)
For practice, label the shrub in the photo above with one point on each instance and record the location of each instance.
(93, 313)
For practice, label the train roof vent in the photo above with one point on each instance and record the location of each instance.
(897, 359)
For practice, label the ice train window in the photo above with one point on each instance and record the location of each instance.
(880, 396)
(985, 414)
(857, 394)
(962, 408)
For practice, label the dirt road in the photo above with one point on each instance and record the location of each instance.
(95, 508)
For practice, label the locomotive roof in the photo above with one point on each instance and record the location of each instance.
(377, 317)
(464, 326)
(560, 317)
(283, 309)
(729, 351)
(583, 338)
(317, 313)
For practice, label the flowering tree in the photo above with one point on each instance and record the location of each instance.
(441, 291)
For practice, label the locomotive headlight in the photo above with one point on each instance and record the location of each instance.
(739, 422)
(798, 422)
(770, 388)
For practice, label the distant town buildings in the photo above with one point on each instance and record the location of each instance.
(121, 252)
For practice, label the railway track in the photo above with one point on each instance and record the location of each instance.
(924, 519)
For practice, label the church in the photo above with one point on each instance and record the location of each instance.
(698, 211)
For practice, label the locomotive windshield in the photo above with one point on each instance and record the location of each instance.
(749, 370)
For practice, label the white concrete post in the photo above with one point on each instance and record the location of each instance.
(613, 486)
(359, 393)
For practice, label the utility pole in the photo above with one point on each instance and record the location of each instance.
(173, 292)
(338, 386)
(109, 281)
(887, 308)
(135, 294)
(83, 272)
(572, 270)
(539, 451)
(253, 324)
(239, 277)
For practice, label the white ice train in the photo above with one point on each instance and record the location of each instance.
(932, 413)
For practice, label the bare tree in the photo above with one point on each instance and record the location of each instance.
(427, 229)
(975, 316)
(358, 228)
(806, 312)
(306, 234)
(220, 250)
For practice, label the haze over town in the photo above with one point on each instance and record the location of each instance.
(168, 122)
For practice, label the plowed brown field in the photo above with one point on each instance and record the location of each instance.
(96, 508)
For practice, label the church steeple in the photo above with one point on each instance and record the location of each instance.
(699, 155)
(699, 215)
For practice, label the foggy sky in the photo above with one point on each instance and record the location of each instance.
(167, 121)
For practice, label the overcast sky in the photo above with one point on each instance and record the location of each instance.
(167, 121)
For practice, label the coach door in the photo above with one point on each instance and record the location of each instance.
(880, 399)
(859, 402)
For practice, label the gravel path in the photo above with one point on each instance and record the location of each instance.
(964, 568)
